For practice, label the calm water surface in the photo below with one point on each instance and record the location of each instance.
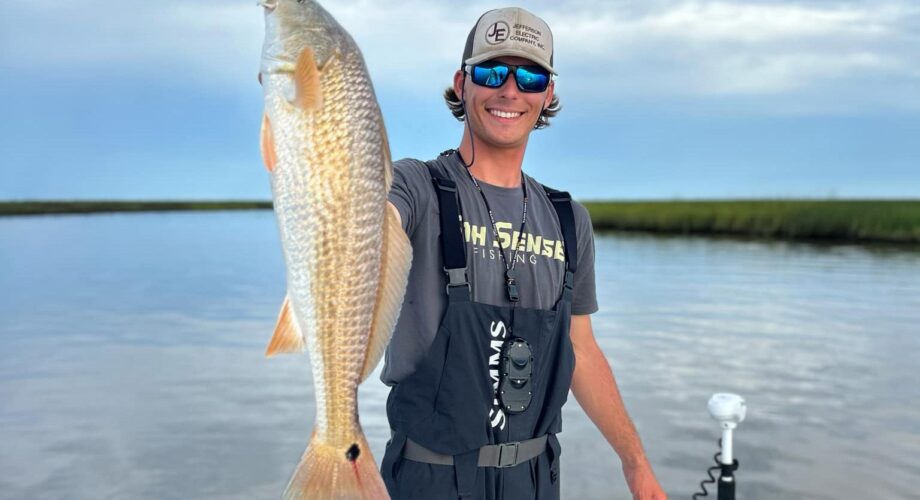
(132, 363)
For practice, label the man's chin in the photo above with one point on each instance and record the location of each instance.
(505, 143)
(509, 137)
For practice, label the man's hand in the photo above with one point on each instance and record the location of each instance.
(642, 482)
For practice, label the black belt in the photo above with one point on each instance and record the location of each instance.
(492, 455)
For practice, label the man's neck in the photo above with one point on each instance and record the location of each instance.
(496, 166)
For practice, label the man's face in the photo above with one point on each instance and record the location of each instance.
(502, 117)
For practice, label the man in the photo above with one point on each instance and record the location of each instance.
(495, 328)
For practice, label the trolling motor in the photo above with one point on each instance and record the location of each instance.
(729, 410)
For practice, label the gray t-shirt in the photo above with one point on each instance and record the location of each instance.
(540, 264)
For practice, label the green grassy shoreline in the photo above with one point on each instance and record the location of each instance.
(895, 221)
(108, 206)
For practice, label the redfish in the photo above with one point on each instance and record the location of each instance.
(347, 257)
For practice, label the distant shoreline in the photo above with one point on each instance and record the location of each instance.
(13, 208)
(894, 221)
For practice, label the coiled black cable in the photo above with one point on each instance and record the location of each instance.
(709, 471)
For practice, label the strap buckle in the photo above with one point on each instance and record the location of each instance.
(456, 277)
(507, 454)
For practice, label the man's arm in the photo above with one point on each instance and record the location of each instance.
(597, 393)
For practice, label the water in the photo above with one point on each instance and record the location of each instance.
(132, 363)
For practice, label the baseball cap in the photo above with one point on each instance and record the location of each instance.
(510, 31)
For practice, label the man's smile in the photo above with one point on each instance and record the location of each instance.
(504, 115)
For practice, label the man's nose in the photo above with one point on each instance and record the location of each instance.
(510, 89)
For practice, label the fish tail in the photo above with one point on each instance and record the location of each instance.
(332, 472)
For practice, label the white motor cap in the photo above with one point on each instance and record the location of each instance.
(727, 408)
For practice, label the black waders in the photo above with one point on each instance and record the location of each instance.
(452, 435)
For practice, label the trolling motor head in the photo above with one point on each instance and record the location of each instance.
(728, 409)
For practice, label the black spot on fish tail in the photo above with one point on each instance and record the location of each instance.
(353, 453)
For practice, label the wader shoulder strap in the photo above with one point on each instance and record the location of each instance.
(562, 203)
(452, 247)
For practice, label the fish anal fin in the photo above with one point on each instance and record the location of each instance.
(396, 259)
(287, 337)
(309, 93)
(267, 144)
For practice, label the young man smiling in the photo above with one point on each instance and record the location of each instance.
(495, 328)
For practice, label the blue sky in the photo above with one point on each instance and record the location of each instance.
(661, 99)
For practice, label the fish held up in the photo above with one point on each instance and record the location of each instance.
(347, 257)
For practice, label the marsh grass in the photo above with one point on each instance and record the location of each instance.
(842, 220)
(102, 206)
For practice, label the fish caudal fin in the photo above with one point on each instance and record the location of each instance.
(287, 337)
(329, 472)
(395, 261)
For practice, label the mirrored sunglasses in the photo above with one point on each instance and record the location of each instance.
(493, 74)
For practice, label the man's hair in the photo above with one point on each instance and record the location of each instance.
(456, 108)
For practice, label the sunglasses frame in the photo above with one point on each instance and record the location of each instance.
(512, 70)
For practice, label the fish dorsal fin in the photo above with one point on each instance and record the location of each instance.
(396, 258)
(267, 144)
(287, 337)
(309, 93)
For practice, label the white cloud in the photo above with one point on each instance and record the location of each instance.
(721, 48)
(722, 21)
(618, 50)
(757, 74)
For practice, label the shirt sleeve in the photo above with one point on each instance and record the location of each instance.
(410, 192)
(584, 292)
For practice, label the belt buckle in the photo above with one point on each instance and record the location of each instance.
(507, 455)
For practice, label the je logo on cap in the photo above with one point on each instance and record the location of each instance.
(497, 33)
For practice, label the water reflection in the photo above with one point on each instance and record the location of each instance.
(133, 364)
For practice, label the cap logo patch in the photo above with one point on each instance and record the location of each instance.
(497, 33)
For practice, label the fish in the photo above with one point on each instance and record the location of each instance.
(346, 255)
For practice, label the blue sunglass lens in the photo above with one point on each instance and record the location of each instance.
(490, 76)
(531, 79)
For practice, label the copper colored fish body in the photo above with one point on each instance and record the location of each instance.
(347, 258)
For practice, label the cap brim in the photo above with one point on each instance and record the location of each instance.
(508, 52)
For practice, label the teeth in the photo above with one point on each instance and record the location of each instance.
(504, 114)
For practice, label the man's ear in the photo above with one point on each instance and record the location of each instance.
(458, 83)
(549, 94)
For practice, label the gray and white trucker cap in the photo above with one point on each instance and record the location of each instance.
(510, 31)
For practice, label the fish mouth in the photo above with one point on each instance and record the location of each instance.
(268, 4)
(278, 66)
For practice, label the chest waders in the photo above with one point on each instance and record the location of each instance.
(452, 437)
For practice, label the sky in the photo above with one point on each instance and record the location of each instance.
(661, 99)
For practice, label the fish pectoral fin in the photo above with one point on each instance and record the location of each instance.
(267, 144)
(287, 337)
(395, 261)
(309, 93)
